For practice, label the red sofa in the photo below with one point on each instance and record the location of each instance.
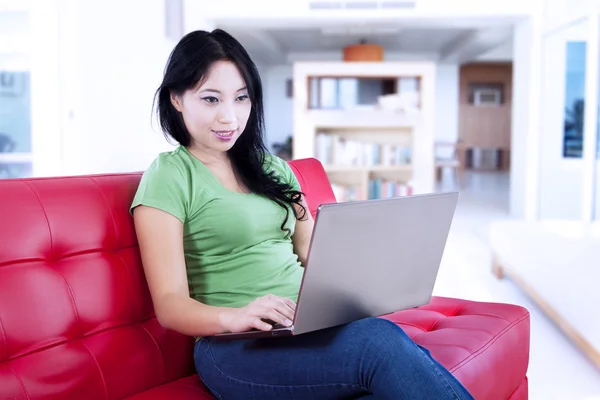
(76, 319)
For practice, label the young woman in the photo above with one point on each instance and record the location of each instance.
(223, 231)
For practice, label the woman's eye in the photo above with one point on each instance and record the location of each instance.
(210, 99)
(243, 97)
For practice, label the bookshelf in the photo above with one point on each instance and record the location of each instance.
(369, 123)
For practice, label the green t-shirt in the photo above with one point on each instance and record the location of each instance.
(235, 249)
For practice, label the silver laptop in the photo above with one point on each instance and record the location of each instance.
(369, 258)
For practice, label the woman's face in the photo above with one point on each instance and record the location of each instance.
(216, 112)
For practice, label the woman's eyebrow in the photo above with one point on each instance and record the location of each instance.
(219, 92)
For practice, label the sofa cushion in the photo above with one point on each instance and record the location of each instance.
(314, 183)
(190, 388)
(485, 345)
(473, 340)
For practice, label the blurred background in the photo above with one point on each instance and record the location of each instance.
(496, 99)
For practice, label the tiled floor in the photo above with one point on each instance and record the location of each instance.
(557, 371)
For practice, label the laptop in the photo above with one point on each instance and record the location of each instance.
(367, 259)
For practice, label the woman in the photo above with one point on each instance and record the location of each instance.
(224, 230)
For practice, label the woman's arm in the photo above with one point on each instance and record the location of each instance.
(160, 237)
(303, 233)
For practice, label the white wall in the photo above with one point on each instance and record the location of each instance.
(94, 73)
(503, 52)
(93, 82)
(557, 12)
(279, 109)
(120, 67)
(272, 9)
(338, 55)
(45, 88)
(447, 102)
(14, 61)
(195, 16)
(525, 129)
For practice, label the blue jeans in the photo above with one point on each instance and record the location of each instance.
(370, 358)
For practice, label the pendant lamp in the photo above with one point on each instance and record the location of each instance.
(363, 51)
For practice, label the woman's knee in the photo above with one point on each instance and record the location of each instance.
(381, 333)
(378, 344)
(379, 326)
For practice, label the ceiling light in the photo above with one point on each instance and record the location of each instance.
(359, 30)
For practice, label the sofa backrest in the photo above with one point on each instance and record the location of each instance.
(76, 317)
(313, 182)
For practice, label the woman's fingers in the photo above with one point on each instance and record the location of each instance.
(277, 317)
(289, 303)
(280, 309)
(261, 325)
(284, 306)
(285, 310)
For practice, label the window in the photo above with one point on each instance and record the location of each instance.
(15, 124)
(574, 99)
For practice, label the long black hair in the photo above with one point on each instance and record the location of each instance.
(190, 62)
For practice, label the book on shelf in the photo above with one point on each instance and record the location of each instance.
(377, 189)
(383, 189)
(344, 193)
(336, 150)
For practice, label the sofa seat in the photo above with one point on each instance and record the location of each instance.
(471, 339)
(189, 388)
(484, 345)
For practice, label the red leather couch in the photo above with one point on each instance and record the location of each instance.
(76, 319)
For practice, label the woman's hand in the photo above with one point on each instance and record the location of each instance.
(253, 316)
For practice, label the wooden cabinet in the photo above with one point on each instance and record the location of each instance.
(485, 124)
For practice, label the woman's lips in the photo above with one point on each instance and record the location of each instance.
(224, 135)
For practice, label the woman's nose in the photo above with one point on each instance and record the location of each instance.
(226, 114)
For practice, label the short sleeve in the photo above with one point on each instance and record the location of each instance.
(163, 186)
(284, 170)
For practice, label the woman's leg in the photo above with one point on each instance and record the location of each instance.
(367, 356)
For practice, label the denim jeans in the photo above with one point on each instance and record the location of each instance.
(371, 358)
